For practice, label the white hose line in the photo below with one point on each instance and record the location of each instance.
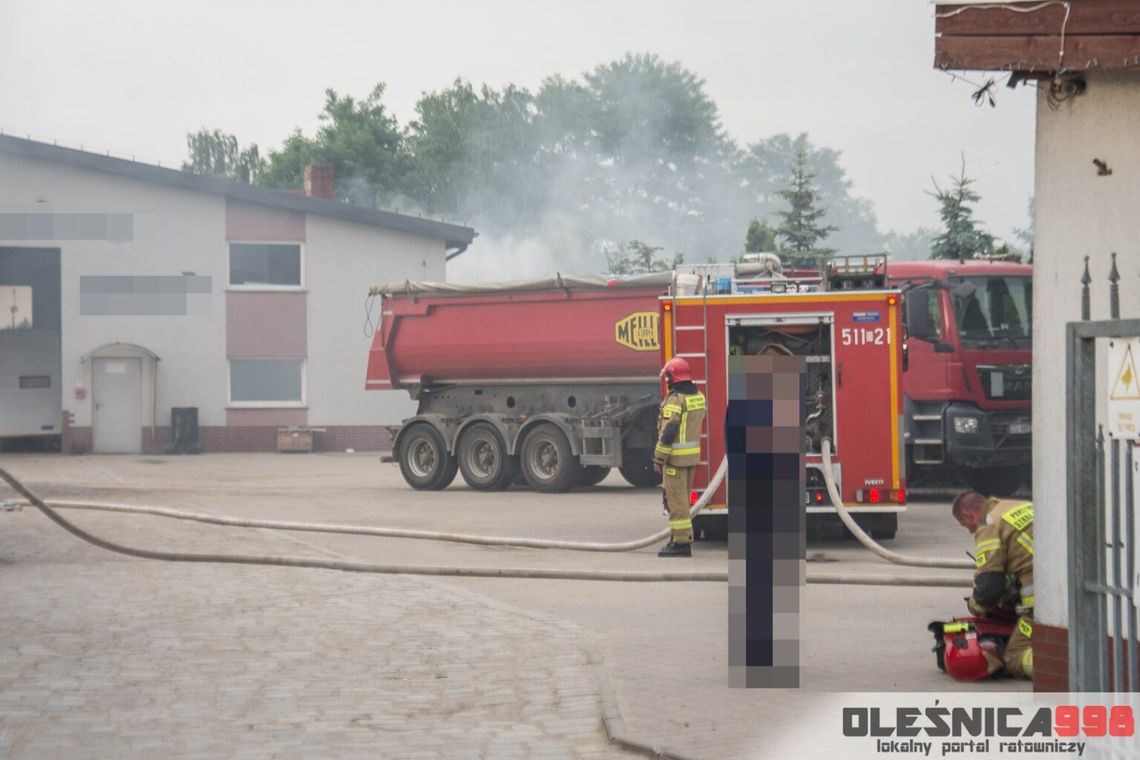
(367, 530)
(867, 541)
(363, 567)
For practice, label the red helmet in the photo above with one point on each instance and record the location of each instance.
(960, 652)
(676, 370)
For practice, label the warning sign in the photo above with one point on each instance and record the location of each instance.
(1123, 389)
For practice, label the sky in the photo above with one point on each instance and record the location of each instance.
(133, 77)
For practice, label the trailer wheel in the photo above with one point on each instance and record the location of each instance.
(547, 461)
(483, 459)
(592, 474)
(424, 461)
(638, 469)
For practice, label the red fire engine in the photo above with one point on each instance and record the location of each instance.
(847, 327)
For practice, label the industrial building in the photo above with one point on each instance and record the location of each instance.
(132, 293)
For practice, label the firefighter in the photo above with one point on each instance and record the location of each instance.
(1003, 541)
(678, 451)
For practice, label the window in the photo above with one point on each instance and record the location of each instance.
(15, 307)
(272, 265)
(261, 382)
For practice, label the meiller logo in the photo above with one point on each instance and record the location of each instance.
(637, 331)
(1021, 731)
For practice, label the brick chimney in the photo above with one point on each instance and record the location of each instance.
(320, 182)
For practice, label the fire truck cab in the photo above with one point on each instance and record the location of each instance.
(846, 324)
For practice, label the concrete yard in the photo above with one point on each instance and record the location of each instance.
(106, 655)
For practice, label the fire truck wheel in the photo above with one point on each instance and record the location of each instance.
(483, 459)
(592, 474)
(424, 461)
(547, 461)
(996, 481)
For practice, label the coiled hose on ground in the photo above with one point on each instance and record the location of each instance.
(426, 570)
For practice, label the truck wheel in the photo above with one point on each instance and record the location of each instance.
(483, 459)
(547, 461)
(995, 481)
(638, 469)
(424, 461)
(592, 474)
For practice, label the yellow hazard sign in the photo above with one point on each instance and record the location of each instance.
(1123, 389)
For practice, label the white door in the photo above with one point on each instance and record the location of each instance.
(116, 395)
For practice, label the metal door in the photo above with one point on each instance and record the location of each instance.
(116, 395)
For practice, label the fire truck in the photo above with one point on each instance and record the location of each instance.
(554, 382)
(847, 326)
(967, 387)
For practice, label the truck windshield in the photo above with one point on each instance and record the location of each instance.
(990, 311)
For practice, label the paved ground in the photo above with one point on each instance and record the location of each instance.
(106, 655)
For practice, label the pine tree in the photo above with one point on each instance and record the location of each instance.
(801, 225)
(961, 238)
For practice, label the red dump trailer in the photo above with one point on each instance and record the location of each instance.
(553, 381)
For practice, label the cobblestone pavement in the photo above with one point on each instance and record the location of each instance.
(106, 656)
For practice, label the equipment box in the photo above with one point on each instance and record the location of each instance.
(296, 440)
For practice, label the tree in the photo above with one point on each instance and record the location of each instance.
(760, 237)
(217, 154)
(765, 168)
(636, 257)
(362, 143)
(801, 224)
(1025, 234)
(960, 237)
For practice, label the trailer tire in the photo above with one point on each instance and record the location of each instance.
(483, 459)
(638, 470)
(424, 461)
(592, 474)
(547, 461)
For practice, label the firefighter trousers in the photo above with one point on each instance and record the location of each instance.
(1018, 654)
(677, 483)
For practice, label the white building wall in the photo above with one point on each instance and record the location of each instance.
(174, 231)
(342, 261)
(1077, 213)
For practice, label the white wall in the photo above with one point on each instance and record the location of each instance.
(342, 261)
(174, 231)
(1078, 213)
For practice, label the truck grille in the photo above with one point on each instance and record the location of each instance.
(1010, 430)
(1006, 382)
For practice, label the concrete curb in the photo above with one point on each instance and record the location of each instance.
(611, 713)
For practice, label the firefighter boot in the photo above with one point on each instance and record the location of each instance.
(676, 550)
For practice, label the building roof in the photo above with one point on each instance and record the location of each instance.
(453, 235)
(1038, 38)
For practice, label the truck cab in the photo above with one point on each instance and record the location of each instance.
(967, 387)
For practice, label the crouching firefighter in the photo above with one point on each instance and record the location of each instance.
(1003, 546)
(678, 452)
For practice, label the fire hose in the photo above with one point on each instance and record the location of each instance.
(424, 570)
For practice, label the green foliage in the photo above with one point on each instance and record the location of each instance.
(636, 257)
(217, 154)
(1025, 234)
(760, 238)
(960, 237)
(362, 143)
(801, 224)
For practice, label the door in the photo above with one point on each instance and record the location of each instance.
(116, 395)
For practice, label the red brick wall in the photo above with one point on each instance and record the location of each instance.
(1050, 658)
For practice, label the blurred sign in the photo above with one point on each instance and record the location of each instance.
(1123, 389)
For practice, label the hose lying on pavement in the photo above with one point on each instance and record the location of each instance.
(867, 541)
(369, 530)
(365, 567)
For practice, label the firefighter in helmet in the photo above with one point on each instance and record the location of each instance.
(1003, 540)
(678, 451)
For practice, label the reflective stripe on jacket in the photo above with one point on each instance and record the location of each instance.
(687, 411)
